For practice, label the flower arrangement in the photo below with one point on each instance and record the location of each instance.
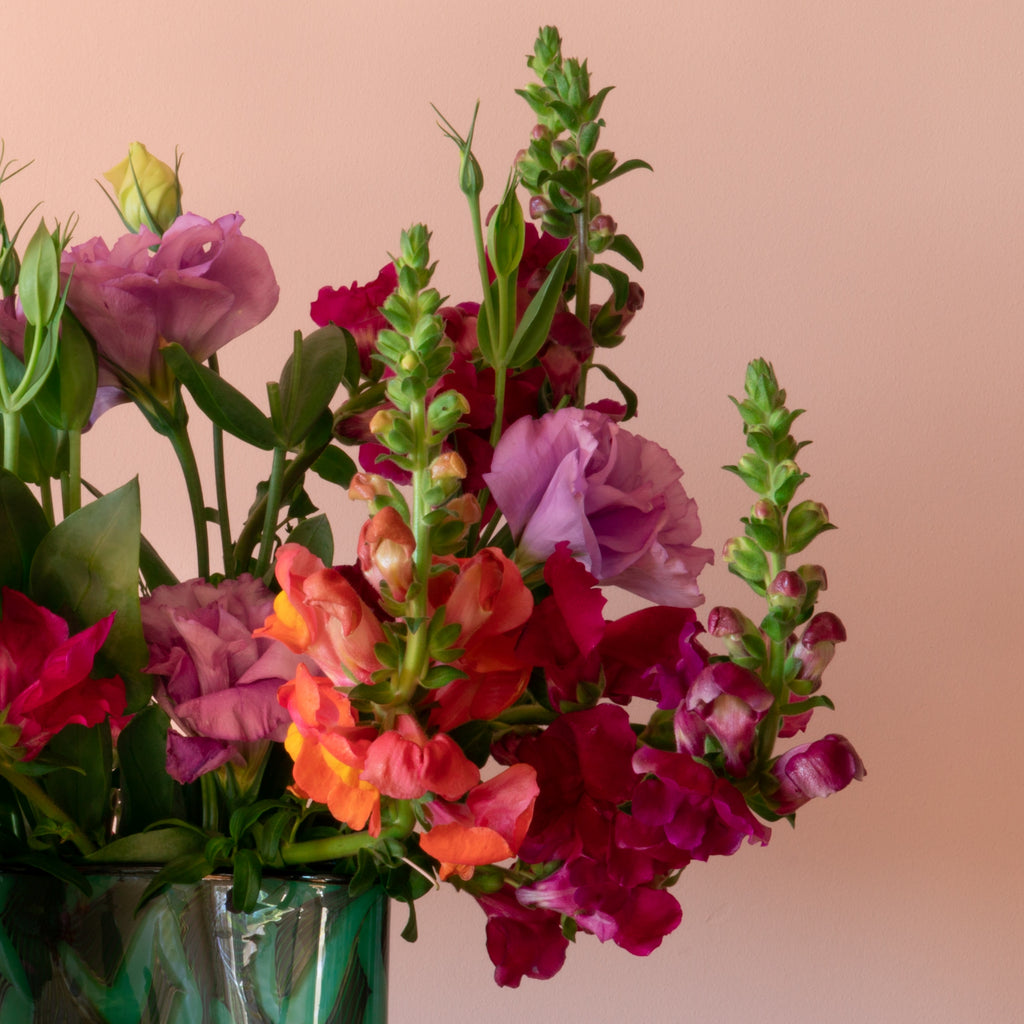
(453, 705)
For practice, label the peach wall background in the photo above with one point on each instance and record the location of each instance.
(837, 187)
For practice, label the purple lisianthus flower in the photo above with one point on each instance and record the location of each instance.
(205, 284)
(215, 680)
(815, 769)
(575, 475)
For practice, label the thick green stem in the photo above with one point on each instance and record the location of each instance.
(275, 489)
(348, 844)
(220, 480)
(416, 652)
(583, 281)
(39, 798)
(12, 435)
(73, 490)
(187, 459)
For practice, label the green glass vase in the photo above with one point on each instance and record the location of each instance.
(307, 954)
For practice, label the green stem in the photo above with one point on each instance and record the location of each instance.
(73, 493)
(38, 796)
(275, 489)
(768, 730)
(187, 459)
(253, 526)
(416, 652)
(211, 812)
(220, 480)
(481, 261)
(12, 435)
(348, 844)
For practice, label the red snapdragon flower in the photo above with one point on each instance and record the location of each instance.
(45, 683)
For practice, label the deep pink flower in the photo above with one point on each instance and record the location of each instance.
(727, 701)
(815, 769)
(697, 812)
(575, 475)
(522, 942)
(653, 654)
(44, 676)
(636, 918)
(357, 309)
(205, 285)
(216, 681)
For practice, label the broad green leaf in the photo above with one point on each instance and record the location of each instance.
(248, 874)
(88, 566)
(85, 792)
(148, 793)
(66, 399)
(308, 383)
(23, 526)
(628, 394)
(153, 847)
(335, 466)
(227, 407)
(625, 247)
(315, 535)
(533, 329)
(626, 166)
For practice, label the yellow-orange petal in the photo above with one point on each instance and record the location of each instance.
(286, 625)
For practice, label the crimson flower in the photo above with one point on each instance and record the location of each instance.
(44, 676)
(522, 942)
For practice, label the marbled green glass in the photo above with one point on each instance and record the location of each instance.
(308, 954)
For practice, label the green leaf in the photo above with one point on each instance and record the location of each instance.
(628, 394)
(308, 382)
(619, 281)
(157, 846)
(624, 246)
(67, 397)
(85, 792)
(148, 793)
(533, 329)
(87, 567)
(225, 406)
(442, 675)
(626, 166)
(315, 535)
(335, 466)
(39, 283)
(248, 875)
(23, 526)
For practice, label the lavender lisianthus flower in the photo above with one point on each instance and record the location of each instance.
(575, 475)
(216, 681)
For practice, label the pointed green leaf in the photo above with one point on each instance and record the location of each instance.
(39, 283)
(628, 394)
(227, 407)
(85, 792)
(624, 246)
(619, 282)
(148, 793)
(88, 566)
(335, 466)
(626, 166)
(23, 526)
(306, 388)
(533, 329)
(315, 535)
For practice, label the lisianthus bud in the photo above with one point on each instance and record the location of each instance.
(815, 649)
(148, 191)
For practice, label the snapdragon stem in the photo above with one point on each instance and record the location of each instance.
(187, 460)
(583, 281)
(416, 652)
(35, 793)
(768, 730)
(348, 844)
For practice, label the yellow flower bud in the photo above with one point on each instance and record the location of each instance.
(148, 191)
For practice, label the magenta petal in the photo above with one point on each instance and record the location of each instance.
(239, 714)
(188, 757)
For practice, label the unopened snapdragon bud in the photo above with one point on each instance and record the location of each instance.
(367, 487)
(446, 410)
(539, 207)
(815, 650)
(383, 420)
(787, 590)
(740, 635)
(467, 508)
(746, 560)
(804, 522)
(602, 232)
(448, 466)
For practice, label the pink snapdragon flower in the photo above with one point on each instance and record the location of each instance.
(205, 284)
(216, 681)
(816, 769)
(575, 475)
(45, 681)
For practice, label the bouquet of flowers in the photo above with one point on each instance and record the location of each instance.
(450, 702)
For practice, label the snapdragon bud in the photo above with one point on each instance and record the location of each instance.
(740, 635)
(539, 208)
(746, 560)
(383, 420)
(367, 487)
(804, 522)
(446, 410)
(602, 232)
(467, 508)
(815, 650)
(448, 466)
(787, 590)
